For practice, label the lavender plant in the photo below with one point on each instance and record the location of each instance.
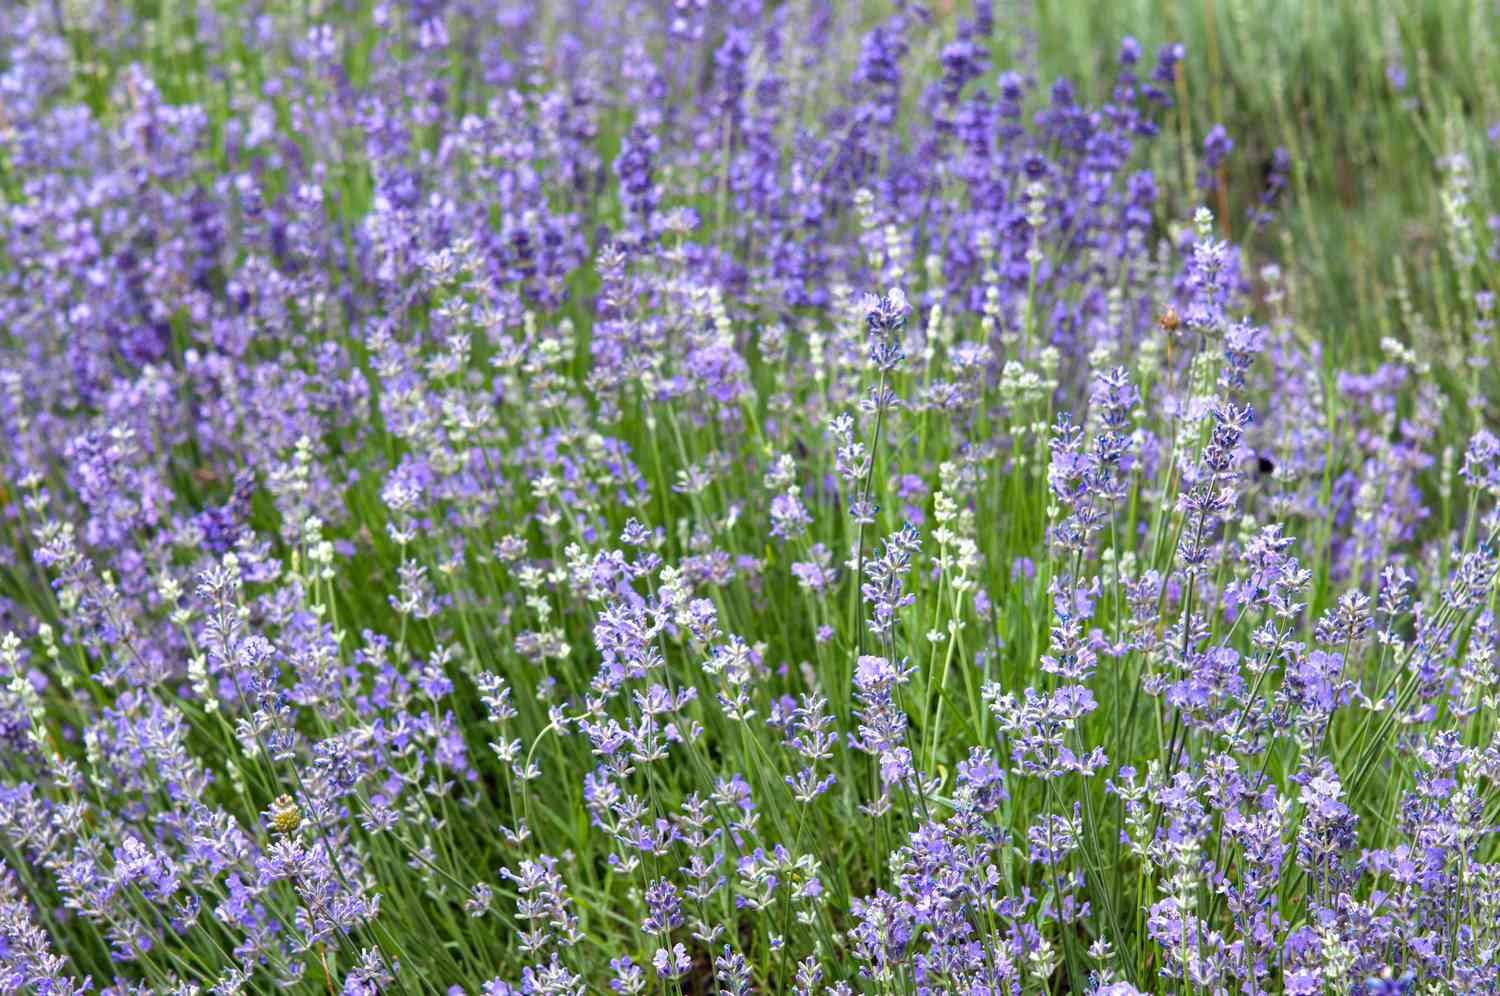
(682, 497)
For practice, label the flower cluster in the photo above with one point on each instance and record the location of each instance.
(693, 496)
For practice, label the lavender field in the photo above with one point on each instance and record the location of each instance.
(749, 496)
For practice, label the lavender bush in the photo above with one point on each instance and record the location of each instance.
(684, 497)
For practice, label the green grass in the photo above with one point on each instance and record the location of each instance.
(1366, 189)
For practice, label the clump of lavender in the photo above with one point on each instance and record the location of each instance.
(710, 497)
